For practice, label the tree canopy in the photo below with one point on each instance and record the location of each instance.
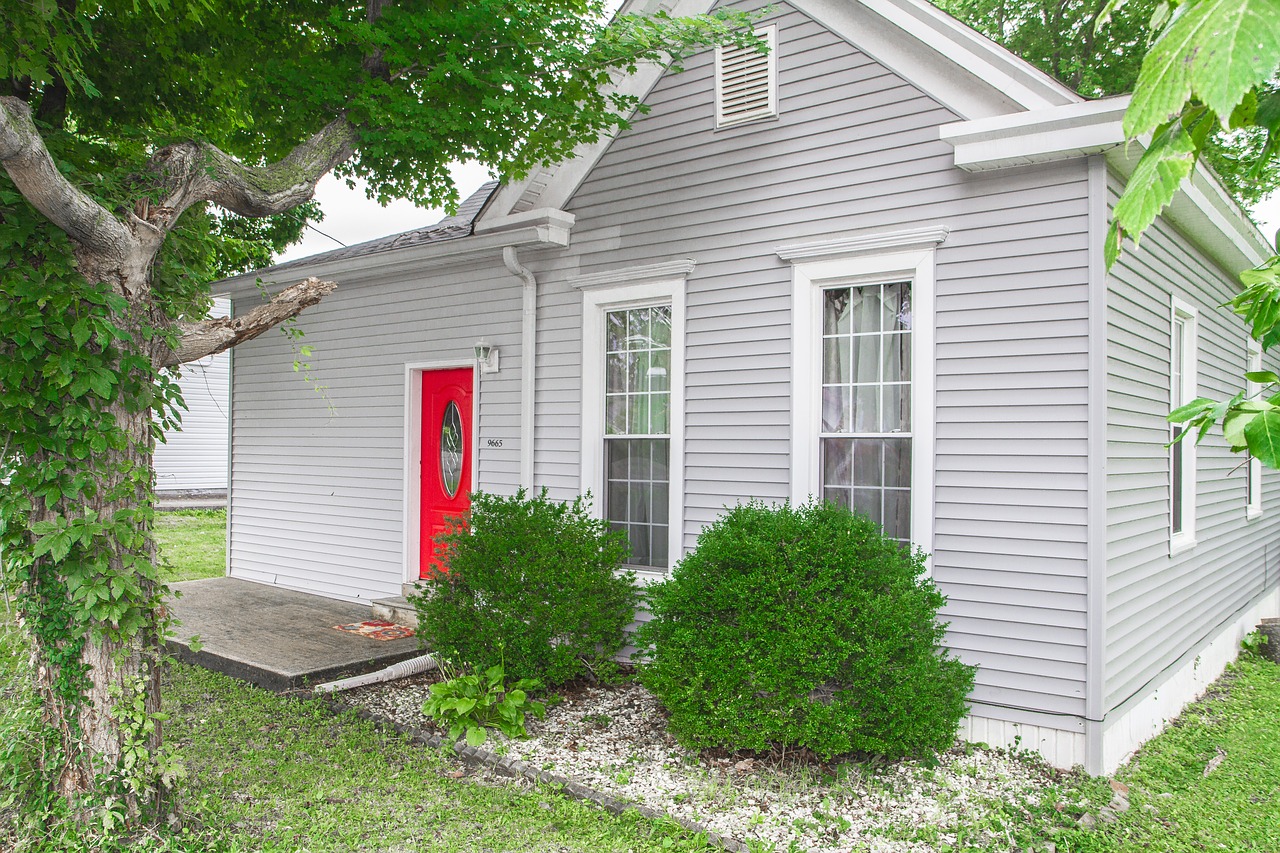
(1097, 49)
(149, 146)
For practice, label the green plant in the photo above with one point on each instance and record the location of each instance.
(532, 582)
(476, 702)
(1253, 642)
(803, 626)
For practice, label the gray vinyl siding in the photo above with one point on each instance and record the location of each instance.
(1160, 608)
(317, 497)
(194, 458)
(856, 148)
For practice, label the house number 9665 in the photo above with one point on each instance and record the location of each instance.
(494, 442)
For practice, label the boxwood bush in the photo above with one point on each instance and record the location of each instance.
(532, 584)
(803, 627)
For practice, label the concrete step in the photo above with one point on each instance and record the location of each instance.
(397, 610)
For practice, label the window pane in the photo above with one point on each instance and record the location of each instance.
(660, 323)
(616, 502)
(866, 358)
(660, 371)
(638, 414)
(615, 377)
(658, 544)
(661, 502)
(897, 514)
(897, 463)
(615, 330)
(868, 462)
(866, 408)
(867, 502)
(835, 360)
(835, 409)
(660, 449)
(835, 312)
(617, 452)
(638, 537)
(897, 408)
(837, 461)
(615, 414)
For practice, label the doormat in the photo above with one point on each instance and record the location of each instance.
(377, 629)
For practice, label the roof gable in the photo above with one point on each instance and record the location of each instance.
(954, 64)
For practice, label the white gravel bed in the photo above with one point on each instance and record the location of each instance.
(615, 740)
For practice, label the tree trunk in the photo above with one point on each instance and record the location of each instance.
(110, 736)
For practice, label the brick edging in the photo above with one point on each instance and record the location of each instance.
(514, 768)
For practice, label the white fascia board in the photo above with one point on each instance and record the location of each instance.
(543, 228)
(961, 68)
(1037, 136)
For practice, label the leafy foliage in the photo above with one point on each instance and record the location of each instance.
(804, 627)
(1213, 65)
(474, 702)
(533, 584)
(1097, 50)
(151, 115)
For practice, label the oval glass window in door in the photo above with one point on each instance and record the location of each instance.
(451, 449)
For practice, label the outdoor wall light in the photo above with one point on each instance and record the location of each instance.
(487, 356)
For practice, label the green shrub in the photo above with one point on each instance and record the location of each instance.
(531, 580)
(803, 627)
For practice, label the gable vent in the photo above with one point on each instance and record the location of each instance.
(747, 81)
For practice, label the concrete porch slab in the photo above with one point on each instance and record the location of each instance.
(276, 638)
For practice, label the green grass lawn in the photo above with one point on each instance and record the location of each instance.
(1175, 805)
(193, 543)
(274, 773)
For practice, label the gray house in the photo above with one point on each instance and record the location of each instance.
(867, 267)
(194, 458)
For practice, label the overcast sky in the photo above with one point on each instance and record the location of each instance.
(351, 218)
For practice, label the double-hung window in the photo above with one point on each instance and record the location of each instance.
(862, 377)
(632, 405)
(866, 402)
(637, 429)
(1182, 451)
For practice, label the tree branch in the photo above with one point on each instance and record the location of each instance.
(217, 334)
(192, 172)
(27, 160)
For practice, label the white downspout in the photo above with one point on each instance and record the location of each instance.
(528, 354)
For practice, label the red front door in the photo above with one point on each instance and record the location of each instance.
(446, 455)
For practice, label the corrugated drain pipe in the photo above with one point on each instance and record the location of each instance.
(403, 669)
(528, 353)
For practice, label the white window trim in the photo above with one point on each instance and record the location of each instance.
(1185, 539)
(809, 279)
(413, 453)
(609, 292)
(770, 35)
(1253, 468)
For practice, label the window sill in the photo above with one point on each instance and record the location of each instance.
(1251, 514)
(1181, 544)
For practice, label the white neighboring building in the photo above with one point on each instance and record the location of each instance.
(195, 457)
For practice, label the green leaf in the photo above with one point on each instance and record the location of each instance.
(1167, 161)
(1190, 410)
(1214, 51)
(475, 735)
(1263, 437)
(1262, 377)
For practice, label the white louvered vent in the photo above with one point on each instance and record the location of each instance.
(747, 81)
